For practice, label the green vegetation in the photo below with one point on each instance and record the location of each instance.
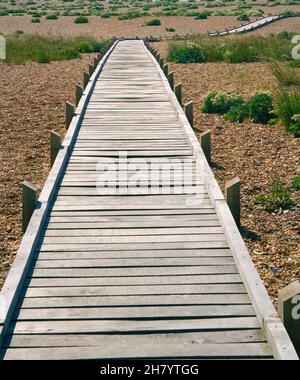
(202, 15)
(36, 20)
(296, 182)
(170, 29)
(287, 108)
(279, 198)
(22, 48)
(285, 74)
(258, 108)
(185, 53)
(234, 49)
(243, 17)
(154, 22)
(81, 20)
(52, 17)
(221, 102)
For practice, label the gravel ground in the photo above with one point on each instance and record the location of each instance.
(257, 154)
(98, 27)
(32, 103)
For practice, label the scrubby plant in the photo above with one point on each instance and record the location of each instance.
(237, 113)
(154, 22)
(260, 107)
(285, 74)
(243, 17)
(185, 52)
(296, 182)
(287, 106)
(202, 15)
(36, 20)
(81, 20)
(279, 198)
(51, 17)
(170, 29)
(221, 102)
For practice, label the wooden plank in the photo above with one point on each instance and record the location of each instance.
(121, 349)
(128, 313)
(115, 326)
(149, 280)
(134, 290)
(137, 300)
(178, 339)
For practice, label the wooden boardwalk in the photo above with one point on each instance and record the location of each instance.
(105, 273)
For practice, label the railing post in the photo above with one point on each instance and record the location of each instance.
(99, 56)
(96, 62)
(177, 91)
(233, 199)
(205, 141)
(188, 110)
(91, 69)
(161, 62)
(55, 144)
(289, 311)
(30, 196)
(70, 112)
(171, 80)
(78, 93)
(86, 78)
(166, 69)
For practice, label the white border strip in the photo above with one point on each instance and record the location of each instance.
(11, 289)
(267, 316)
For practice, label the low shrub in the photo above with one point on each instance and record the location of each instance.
(36, 20)
(221, 102)
(185, 52)
(170, 29)
(260, 107)
(202, 15)
(81, 20)
(287, 106)
(285, 74)
(51, 17)
(154, 22)
(237, 113)
(279, 198)
(296, 182)
(243, 17)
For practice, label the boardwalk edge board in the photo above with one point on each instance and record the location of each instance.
(268, 318)
(11, 289)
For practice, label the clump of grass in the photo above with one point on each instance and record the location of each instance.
(260, 107)
(237, 113)
(243, 17)
(221, 102)
(154, 22)
(170, 29)
(285, 74)
(202, 15)
(287, 107)
(296, 182)
(185, 52)
(52, 17)
(236, 49)
(22, 48)
(36, 20)
(279, 198)
(81, 20)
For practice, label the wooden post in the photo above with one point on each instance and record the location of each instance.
(171, 80)
(78, 93)
(289, 311)
(96, 62)
(188, 110)
(161, 62)
(177, 91)
(91, 69)
(30, 196)
(86, 78)
(233, 199)
(99, 56)
(166, 69)
(70, 112)
(205, 141)
(158, 58)
(55, 144)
